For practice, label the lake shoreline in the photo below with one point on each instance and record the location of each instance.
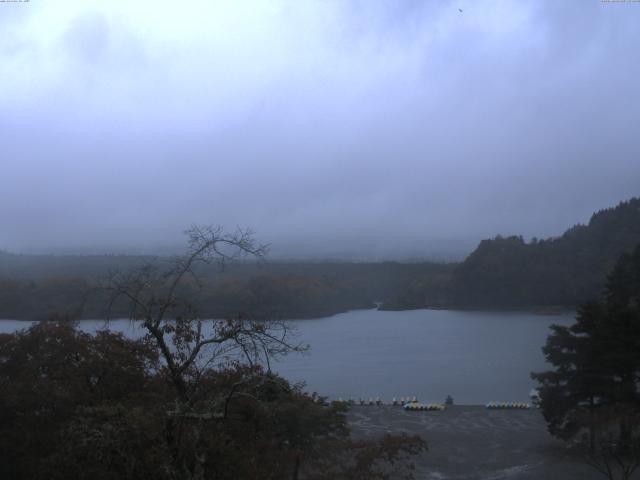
(471, 442)
(476, 357)
(538, 311)
(535, 310)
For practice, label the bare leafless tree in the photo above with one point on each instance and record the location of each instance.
(603, 450)
(189, 344)
(612, 462)
(192, 347)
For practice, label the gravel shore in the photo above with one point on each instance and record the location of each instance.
(472, 442)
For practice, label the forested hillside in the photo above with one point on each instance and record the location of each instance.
(33, 287)
(503, 273)
(565, 271)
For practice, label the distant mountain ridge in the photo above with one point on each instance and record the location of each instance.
(507, 272)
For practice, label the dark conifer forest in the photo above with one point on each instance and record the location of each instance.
(509, 272)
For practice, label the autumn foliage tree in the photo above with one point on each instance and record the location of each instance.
(194, 398)
(53, 376)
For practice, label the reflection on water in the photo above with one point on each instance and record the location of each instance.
(473, 356)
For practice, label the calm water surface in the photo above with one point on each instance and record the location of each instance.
(473, 356)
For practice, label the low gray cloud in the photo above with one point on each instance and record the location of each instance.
(355, 129)
(88, 37)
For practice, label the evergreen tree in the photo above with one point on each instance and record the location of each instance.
(594, 384)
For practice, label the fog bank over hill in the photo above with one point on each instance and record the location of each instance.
(438, 250)
(351, 129)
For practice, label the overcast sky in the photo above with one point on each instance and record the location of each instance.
(384, 129)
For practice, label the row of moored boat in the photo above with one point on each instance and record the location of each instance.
(412, 403)
(507, 405)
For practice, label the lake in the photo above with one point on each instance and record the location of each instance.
(475, 357)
